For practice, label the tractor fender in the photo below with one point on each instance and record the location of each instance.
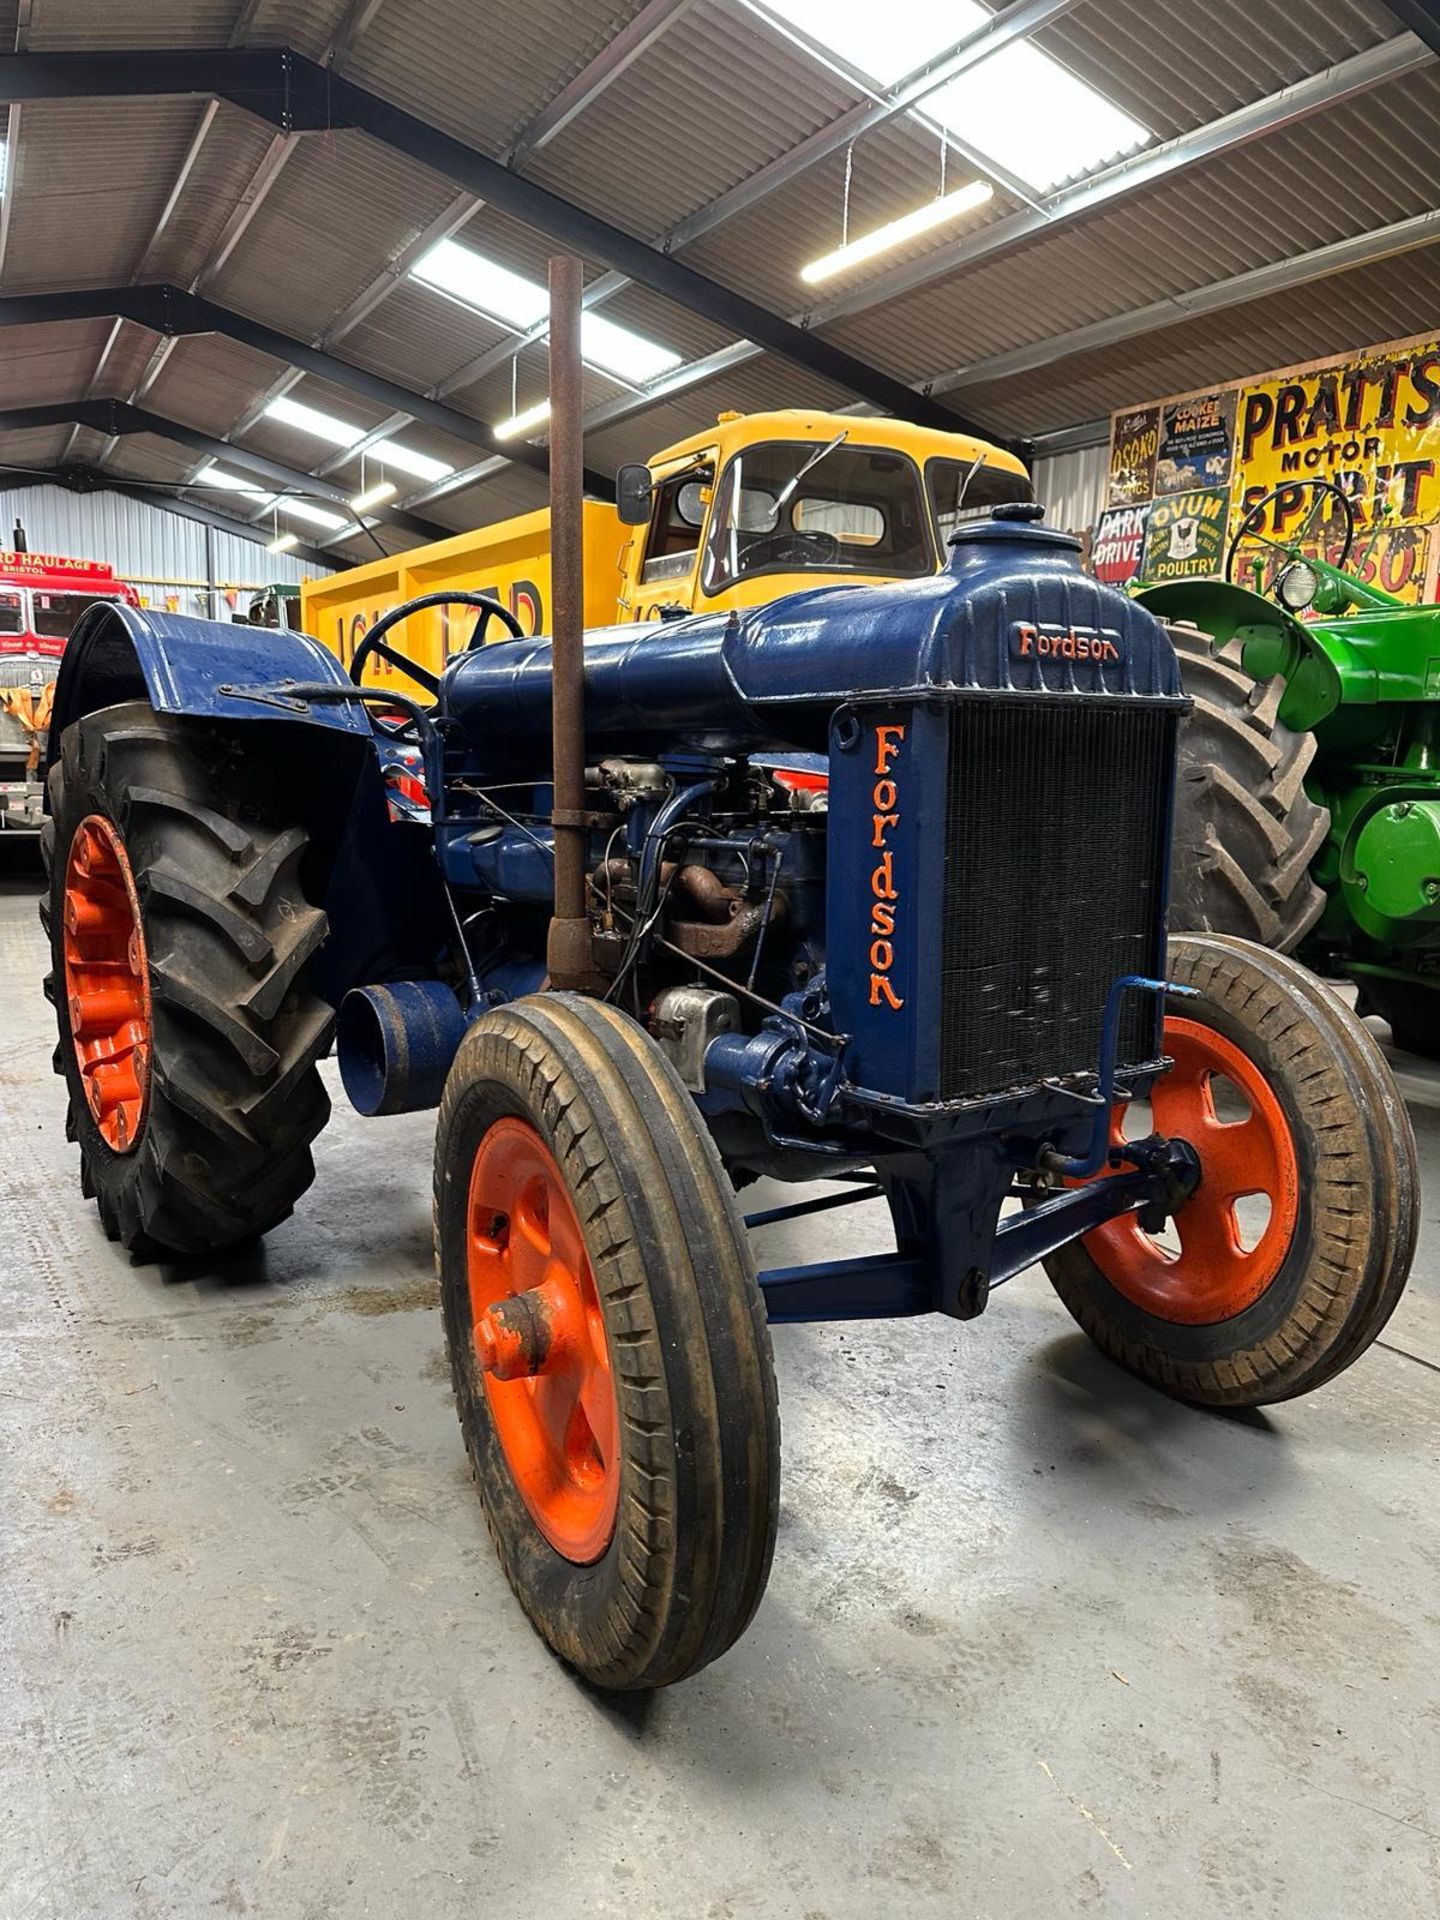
(1272, 641)
(209, 669)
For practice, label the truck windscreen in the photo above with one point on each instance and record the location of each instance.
(857, 510)
(984, 488)
(56, 613)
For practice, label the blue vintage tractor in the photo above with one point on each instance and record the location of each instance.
(938, 976)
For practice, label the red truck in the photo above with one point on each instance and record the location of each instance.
(42, 595)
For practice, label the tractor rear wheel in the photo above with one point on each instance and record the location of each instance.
(608, 1343)
(182, 944)
(1245, 829)
(1296, 1246)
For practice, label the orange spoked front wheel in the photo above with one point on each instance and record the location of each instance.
(106, 980)
(1216, 1098)
(540, 1341)
(1289, 1257)
(608, 1343)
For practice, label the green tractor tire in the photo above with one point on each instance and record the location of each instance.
(1246, 831)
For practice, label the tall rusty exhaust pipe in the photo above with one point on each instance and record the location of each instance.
(568, 951)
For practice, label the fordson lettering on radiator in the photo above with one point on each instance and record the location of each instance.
(886, 802)
(1061, 643)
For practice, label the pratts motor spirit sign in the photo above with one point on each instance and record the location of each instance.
(1368, 420)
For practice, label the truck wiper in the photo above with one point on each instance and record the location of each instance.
(787, 492)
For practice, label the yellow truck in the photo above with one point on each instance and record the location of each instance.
(755, 506)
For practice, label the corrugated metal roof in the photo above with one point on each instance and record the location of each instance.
(84, 207)
(209, 381)
(1173, 64)
(1358, 309)
(34, 448)
(299, 263)
(705, 106)
(40, 364)
(61, 25)
(418, 337)
(1379, 160)
(233, 148)
(497, 67)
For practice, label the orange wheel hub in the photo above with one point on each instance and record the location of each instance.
(1216, 1274)
(107, 981)
(540, 1341)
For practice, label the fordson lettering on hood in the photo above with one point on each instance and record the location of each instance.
(1060, 643)
(885, 799)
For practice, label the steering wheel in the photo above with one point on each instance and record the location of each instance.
(792, 550)
(1249, 527)
(374, 642)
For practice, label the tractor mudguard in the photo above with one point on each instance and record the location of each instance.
(207, 669)
(1272, 640)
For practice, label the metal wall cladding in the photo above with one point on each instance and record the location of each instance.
(144, 544)
(1071, 486)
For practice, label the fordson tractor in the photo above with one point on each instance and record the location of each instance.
(639, 953)
(1308, 812)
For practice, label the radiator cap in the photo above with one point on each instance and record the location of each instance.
(1016, 520)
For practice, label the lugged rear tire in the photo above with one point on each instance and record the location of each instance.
(234, 1097)
(1245, 829)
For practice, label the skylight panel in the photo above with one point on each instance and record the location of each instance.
(1037, 120)
(481, 283)
(325, 426)
(1019, 107)
(616, 349)
(509, 297)
(886, 42)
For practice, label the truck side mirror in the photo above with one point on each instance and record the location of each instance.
(632, 495)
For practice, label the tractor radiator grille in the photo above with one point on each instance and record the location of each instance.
(1054, 879)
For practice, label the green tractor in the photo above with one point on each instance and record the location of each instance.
(1308, 795)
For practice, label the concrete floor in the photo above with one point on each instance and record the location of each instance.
(1037, 1640)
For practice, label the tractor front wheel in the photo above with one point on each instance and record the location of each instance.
(608, 1343)
(1291, 1254)
(181, 943)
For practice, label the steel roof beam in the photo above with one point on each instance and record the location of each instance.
(620, 51)
(1421, 16)
(296, 93)
(115, 418)
(1282, 276)
(1347, 79)
(1403, 54)
(170, 311)
(1017, 22)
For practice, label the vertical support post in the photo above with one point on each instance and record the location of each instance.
(212, 598)
(568, 949)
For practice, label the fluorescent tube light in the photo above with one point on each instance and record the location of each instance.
(908, 227)
(282, 543)
(522, 423)
(375, 496)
